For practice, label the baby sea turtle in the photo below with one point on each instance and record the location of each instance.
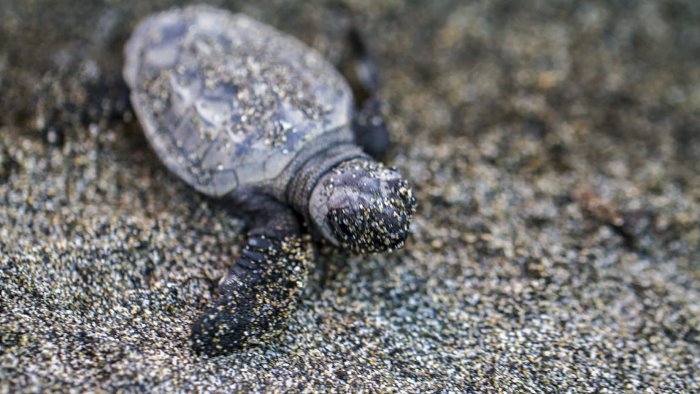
(243, 112)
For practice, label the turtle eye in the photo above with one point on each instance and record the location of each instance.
(369, 222)
(369, 228)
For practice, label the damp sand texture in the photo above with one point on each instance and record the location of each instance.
(554, 151)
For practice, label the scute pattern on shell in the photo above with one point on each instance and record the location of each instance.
(227, 101)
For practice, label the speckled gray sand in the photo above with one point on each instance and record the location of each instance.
(555, 152)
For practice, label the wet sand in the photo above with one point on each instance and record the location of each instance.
(554, 151)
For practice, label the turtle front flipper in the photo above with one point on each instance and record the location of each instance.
(371, 131)
(359, 67)
(261, 290)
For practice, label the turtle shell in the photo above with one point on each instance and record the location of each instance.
(227, 101)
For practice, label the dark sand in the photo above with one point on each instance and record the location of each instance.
(554, 151)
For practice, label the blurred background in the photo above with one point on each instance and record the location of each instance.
(554, 147)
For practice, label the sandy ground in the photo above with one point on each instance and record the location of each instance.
(554, 151)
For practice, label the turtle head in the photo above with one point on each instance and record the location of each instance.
(363, 206)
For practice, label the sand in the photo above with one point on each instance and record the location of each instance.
(554, 150)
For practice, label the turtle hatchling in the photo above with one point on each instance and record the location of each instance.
(247, 114)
